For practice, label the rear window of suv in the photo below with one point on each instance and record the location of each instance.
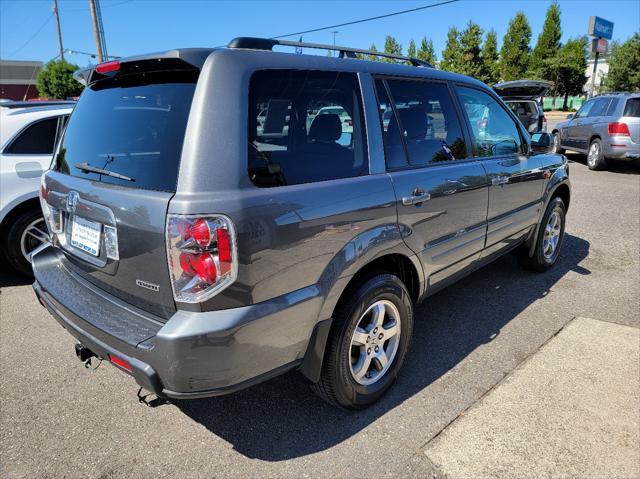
(132, 126)
(632, 108)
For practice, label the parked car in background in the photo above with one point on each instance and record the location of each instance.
(28, 134)
(202, 244)
(524, 97)
(607, 127)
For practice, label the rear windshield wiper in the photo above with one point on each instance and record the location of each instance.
(92, 169)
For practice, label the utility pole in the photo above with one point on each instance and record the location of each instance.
(55, 12)
(335, 32)
(97, 28)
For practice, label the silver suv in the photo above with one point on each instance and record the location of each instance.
(221, 216)
(606, 127)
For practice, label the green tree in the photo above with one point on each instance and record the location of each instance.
(624, 66)
(427, 53)
(548, 44)
(491, 69)
(373, 58)
(568, 67)
(56, 80)
(411, 50)
(451, 53)
(470, 43)
(391, 46)
(514, 55)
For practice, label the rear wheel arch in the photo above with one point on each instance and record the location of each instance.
(396, 264)
(19, 209)
(12, 231)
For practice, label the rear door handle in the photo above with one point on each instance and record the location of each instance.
(418, 196)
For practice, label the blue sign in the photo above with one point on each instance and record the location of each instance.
(601, 28)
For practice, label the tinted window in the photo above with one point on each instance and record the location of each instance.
(37, 139)
(394, 149)
(599, 107)
(428, 121)
(613, 104)
(495, 132)
(632, 108)
(305, 126)
(132, 125)
(584, 109)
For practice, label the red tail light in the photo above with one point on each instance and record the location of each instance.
(120, 362)
(202, 256)
(200, 233)
(106, 67)
(618, 129)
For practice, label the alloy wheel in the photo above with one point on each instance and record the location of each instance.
(375, 342)
(594, 153)
(34, 235)
(551, 237)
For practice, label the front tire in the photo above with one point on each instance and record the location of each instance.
(367, 345)
(27, 232)
(595, 157)
(549, 239)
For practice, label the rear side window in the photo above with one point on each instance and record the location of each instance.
(132, 126)
(632, 108)
(613, 105)
(494, 131)
(305, 126)
(37, 139)
(427, 123)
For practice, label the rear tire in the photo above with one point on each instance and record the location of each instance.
(556, 144)
(360, 362)
(27, 232)
(549, 239)
(595, 156)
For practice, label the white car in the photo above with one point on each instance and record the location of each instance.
(28, 134)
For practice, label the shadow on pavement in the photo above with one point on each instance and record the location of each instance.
(613, 166)
(282, 419)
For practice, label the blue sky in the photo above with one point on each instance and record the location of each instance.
(27, 29)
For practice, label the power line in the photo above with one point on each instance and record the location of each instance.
(32, 36)
(367, 19)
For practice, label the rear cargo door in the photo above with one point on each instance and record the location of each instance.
(113, 177)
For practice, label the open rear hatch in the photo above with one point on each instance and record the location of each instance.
(114, 174)
(522, 89)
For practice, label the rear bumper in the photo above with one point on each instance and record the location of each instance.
(621, 148)
(193, 354)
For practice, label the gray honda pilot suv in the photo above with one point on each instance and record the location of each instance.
(216, 222)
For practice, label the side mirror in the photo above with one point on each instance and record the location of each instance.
(569, 116)
(541, 142)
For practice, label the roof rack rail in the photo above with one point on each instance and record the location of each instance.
(614, 93)
(254, 43)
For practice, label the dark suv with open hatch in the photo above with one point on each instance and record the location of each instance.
(221, 216)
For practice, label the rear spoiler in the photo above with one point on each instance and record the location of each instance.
(184, 58)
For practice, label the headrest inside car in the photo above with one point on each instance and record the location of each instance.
(414, 122)
(326, 128)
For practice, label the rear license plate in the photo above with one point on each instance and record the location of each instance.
(85, 235)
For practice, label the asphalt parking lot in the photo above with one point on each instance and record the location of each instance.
(60, 419)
